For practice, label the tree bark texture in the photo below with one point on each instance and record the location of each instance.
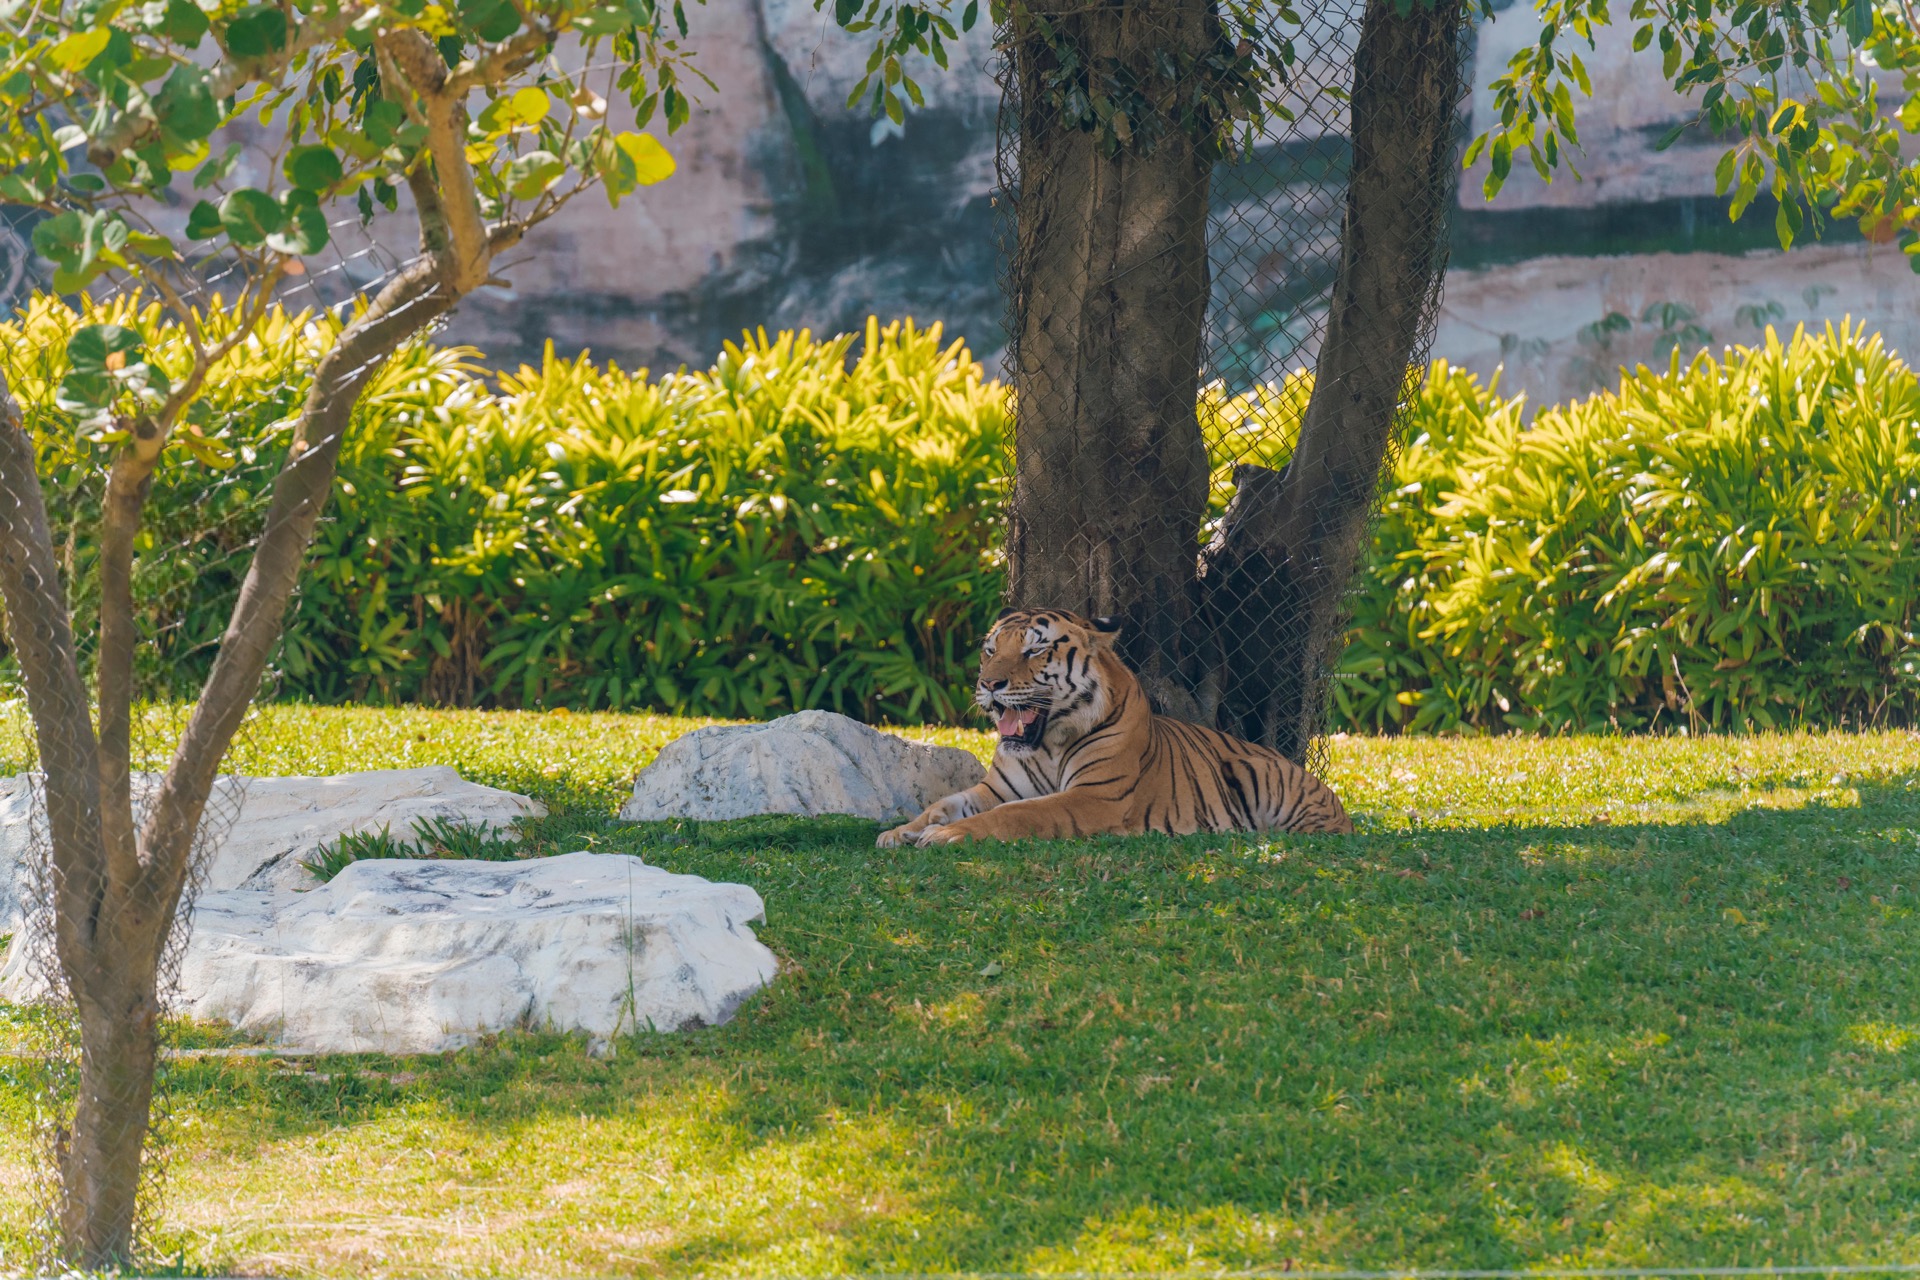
(1109, 312)
(1110, 283)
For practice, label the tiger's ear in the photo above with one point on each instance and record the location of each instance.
(1105, 631)
(1005, 613)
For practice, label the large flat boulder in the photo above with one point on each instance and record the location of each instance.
(417, 957)
(812, 762)
(264, 828)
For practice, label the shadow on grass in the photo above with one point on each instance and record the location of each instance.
(1690, 1042)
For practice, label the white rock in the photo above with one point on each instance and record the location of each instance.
(281, 821)
(812, 762)
(18, 805)
(416, 957)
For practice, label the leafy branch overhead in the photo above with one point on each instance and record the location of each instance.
(1788, 85)
(1218, 94)
(117, 117)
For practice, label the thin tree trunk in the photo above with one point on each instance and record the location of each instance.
(117, 893)
(42, 641)
(1276, 572)
(1110, 479)
(128, 483)
(115, 906)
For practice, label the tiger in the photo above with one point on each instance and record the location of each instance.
(1082, 753)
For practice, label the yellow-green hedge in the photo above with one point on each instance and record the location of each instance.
(1723, 544)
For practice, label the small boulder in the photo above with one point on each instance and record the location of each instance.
(401, 956)
(19, 805)
(812, 762)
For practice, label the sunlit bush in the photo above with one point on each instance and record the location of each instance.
(1724, 544)
(810, 523)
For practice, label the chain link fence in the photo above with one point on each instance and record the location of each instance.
(1226, 238)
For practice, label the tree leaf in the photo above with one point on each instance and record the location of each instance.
(303, 231)
(530, 175)
(185, 106)
(609, 20)
(184, 23)
(152, 246)
(203, 223)
(59, 237)
(80, 48)
(380, 121)
(651, 162)
(1787, 221)
(313, 168)
(92, 348)
(1859, 18)
(521, 109)
(84, 393)
(216, 169)
(250, 216)
(258, 31)
(500, 25)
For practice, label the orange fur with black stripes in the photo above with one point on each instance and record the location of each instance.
(1081, 753)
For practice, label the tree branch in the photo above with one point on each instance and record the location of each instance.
(411, 301)
(42, 639)
(505, 62)
(128, 483)
(466, 261)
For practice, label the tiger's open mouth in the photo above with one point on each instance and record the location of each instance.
(1022, 726)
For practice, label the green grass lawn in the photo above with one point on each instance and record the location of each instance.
(1594, 1001)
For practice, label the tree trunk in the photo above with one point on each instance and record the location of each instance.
(1278, 568)
(1110, 474)
(1109, 304)
(100, 1156)
(116, 894)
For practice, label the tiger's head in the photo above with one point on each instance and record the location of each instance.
(1046, 669)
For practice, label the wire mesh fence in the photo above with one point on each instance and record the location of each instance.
(1225, 231)
(111, 662)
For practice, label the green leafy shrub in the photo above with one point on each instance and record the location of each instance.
(1725, 544)
(798, 526)
(790, 528)
(200, 519)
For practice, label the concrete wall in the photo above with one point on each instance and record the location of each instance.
(788, 209)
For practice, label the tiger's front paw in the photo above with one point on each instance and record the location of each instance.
(952, 833)
(903, 834)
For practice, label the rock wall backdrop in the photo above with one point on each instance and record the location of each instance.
(789, 209)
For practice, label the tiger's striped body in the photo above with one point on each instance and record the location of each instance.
(1081, 753)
